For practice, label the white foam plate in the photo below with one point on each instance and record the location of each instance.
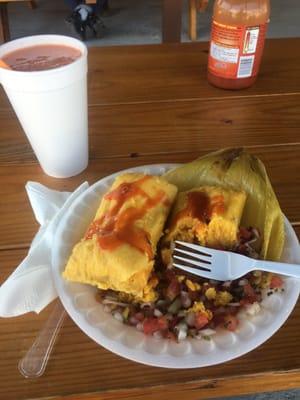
(79, 300)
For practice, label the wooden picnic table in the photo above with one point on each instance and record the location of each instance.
(152, 104)
(171, 19)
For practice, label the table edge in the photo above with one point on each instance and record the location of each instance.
(200, 389)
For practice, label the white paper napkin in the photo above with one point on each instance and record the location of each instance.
(30, 286)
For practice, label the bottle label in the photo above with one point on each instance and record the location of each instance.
(236, 51)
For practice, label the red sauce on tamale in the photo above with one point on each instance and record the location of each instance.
(200, 206)
(117, 227)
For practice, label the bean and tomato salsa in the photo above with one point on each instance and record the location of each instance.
(189, 306)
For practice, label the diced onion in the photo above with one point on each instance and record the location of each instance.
(181, 313)
(185, 299)
(207, 332)
(182, 334)
(139, 326)
(116, 303)
(175, 306)
(253, 309)
(118, 316)
(256, 236)
(157, 312)
(190, 319)
(107, 308)
(181, 330)
(181, 326)
(133, 321)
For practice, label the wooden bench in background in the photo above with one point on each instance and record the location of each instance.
(171, 19)
(4, 24)
(194, 7)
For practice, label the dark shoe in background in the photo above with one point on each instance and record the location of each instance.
(84, 21)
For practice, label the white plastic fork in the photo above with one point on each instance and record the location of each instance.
(224, 265)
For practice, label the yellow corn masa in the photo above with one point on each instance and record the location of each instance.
(124, 266)
(219, 224)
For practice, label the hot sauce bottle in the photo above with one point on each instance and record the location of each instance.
(237, 42)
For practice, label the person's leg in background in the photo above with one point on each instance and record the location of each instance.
(72, 3)
(84, 16)
(101, 5)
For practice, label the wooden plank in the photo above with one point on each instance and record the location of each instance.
(154, 128)
(4, 24)
(203, 390)
(78, 365)
(174, 72)
(178, 71)
(193, 20)
(17, 222)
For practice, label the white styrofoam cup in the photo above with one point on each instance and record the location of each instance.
(51, 106)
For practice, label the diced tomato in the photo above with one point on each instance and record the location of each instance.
(173, 289)
(200, 320)
(162, 323)
(245, 234)
(250, 295)
(139, 316)
(230, 322)
(248, 290)
(151, 325)
(276, 282)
